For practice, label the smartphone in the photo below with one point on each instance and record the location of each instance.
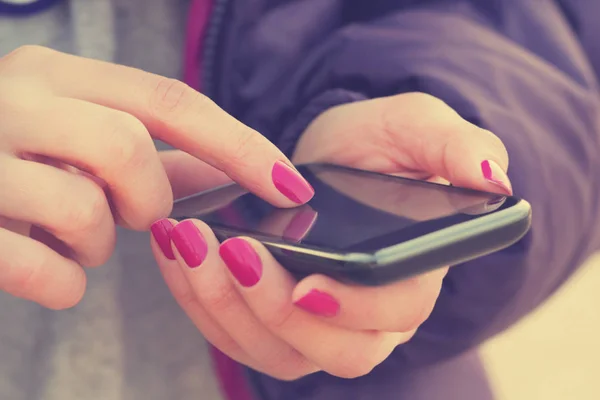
(364, 227)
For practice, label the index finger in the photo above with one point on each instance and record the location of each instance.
(176, 114)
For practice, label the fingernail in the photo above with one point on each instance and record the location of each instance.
(496, 175)
(161, 230)
(190, 243)
(300, 225)
(242, 261)
(291, 184)
(319, 303)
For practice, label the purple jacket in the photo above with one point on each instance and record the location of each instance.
(525, 70)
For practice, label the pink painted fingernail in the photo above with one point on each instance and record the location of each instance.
(319, 303)
(300, 224)
(190, 243)
(242, 260)
(291, 184)
(161, 230)
(496, 175)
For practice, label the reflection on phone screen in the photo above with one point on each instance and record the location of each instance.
(351, 208)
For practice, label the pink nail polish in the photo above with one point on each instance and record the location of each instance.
(161, 230)
(495, 175)
(190, 243)
(291, 184)
(242, 261)
(319, 303)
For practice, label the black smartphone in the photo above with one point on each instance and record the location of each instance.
(365, 227)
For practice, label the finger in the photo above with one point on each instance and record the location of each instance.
(31, 270)
(189, 175)
(71, 207)
(196, 249)
(185, 297)
(109, 144)
(418, 132)
(399, 307)
(445, 144)
(64, 166)
(267, 289)
(177, 115)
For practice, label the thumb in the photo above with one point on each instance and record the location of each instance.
(189, 175)
(434, 138)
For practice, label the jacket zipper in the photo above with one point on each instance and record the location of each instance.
(211, 43)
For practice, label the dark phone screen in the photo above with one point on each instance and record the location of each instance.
(352, 210)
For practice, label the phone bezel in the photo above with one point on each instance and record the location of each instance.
(518, 214)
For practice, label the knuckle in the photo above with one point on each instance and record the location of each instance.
(245, 146)
(218, 299)
(25, 57)
(427, 98)
(87, 213)
(189, 302)
(278, 317)
(20, 97)
(129, 142)
(171, 97)
(425, 101)
(495, 143)
(423, 111)
(245, 140)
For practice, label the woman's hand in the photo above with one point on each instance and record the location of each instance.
(413, 135)
(249, 307)
(77, 156)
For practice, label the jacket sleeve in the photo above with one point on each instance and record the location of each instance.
(516, 68)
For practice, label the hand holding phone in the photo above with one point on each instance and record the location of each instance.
(365, 227)
(250, 307)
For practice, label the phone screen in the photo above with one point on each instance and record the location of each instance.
(352, 210)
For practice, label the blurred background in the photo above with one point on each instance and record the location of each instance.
(554, 354)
